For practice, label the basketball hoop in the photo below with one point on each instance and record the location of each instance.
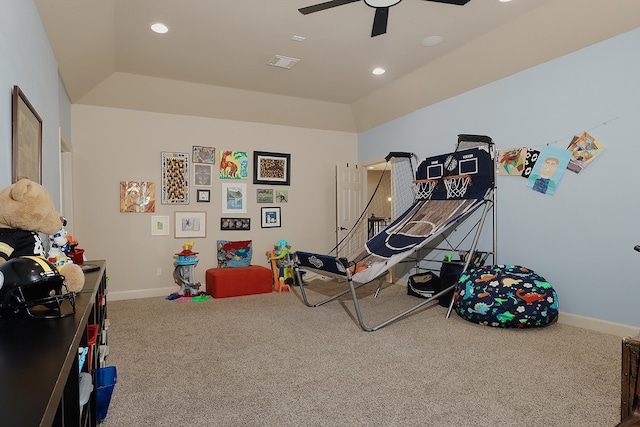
(424, 188)
(456, 185)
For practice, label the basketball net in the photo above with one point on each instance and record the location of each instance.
(456, 185)
(424, 188)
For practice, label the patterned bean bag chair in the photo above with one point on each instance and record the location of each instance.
(507, 296)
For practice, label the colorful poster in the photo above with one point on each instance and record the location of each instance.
(234, 165)
(584, 149)
(203, 154)
(175, 178)
(137, 196)
(549, 169)
(511, 161)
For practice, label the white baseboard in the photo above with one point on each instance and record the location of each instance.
(597, 325)
(583, 322)
(140, 293)
(565, 318)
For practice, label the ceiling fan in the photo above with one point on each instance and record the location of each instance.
(381, 7)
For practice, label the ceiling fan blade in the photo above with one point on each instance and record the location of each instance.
(323, 6)
(380, 21)
(458, 2)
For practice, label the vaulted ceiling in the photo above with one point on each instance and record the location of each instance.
(221, 48)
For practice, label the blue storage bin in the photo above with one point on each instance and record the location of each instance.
(106, 379)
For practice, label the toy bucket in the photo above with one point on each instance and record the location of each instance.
(77, 256)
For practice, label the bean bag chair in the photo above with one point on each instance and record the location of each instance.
(507, 296)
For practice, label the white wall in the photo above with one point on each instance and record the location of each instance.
(113, 145)
(28, 61)
(581, 239)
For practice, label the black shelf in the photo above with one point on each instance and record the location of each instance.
(39, 363)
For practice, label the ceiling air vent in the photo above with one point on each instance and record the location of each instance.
(283, 61)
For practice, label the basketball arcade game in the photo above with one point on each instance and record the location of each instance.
(448, 189)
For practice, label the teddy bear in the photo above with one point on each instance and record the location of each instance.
(26, 209)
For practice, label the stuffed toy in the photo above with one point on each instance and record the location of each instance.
(26, 209)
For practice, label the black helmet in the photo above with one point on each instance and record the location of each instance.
(32, 285)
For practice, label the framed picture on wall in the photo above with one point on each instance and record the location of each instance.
(190, 224)
(159, 225)
(175, 178)
(264, 195)
(234, 198)
(202, 154)
(271, 168)
(235, 223)
(270, 217)
(282, 196)
(204, 196)
(202, 175)
(26, 139)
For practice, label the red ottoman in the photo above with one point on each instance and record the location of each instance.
(237, 281)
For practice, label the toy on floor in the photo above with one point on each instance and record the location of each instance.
(183, 274)
(282, 266)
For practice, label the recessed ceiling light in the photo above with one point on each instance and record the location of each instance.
(159, 28)
(378, 71)
(431, 41)
(504, 1)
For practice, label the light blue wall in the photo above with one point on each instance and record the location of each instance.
(581, 239)
(28, 61)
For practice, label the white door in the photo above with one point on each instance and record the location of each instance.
(349, 199)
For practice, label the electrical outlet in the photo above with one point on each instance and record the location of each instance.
(158, 271)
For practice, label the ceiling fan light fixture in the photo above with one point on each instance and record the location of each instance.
(382, 3)
(159, 28)
(381, 17)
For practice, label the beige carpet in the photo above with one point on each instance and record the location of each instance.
(268, 360)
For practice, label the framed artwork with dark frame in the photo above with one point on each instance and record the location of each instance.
(235, 223)
(26, 139)
(271, 168)
(270, 217)
(204, 196)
